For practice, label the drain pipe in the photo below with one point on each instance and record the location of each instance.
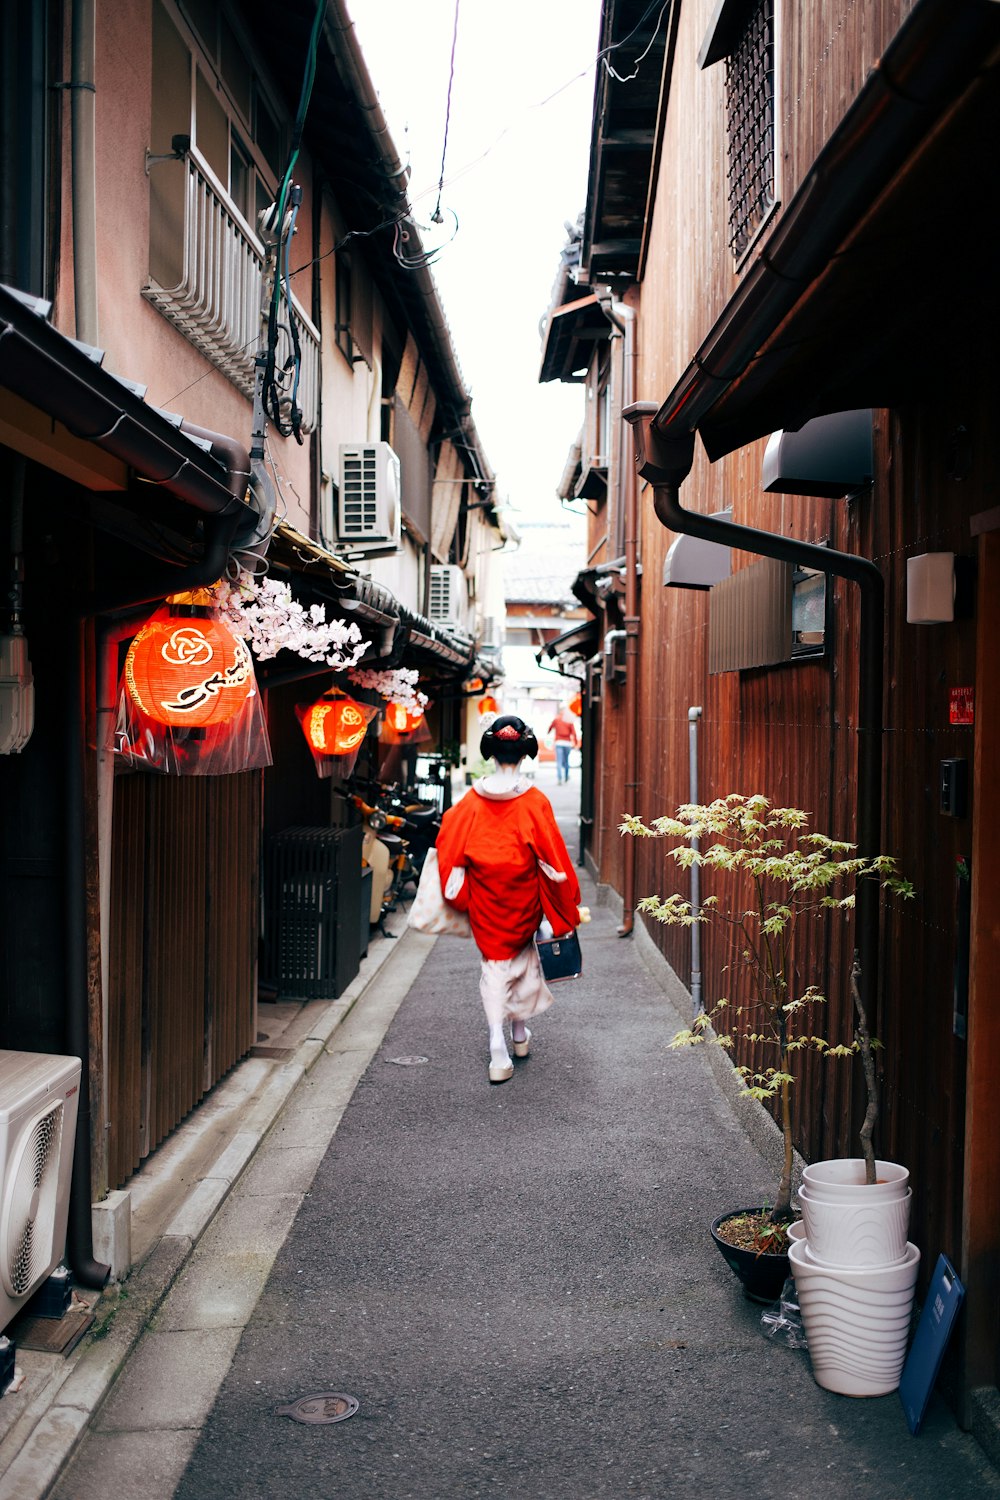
(84, 172)
(694, 714)
(665, 462)
(622, 317)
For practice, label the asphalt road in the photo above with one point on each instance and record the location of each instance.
(517, 1284)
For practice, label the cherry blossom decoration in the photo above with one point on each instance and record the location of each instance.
(399, 686)
(264, 613)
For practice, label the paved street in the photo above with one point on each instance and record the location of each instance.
(516, 1283)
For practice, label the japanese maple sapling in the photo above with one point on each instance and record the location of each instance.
(788, 874)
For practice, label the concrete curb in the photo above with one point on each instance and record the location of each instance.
(43, 1439)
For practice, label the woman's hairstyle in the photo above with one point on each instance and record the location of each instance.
(508, 740)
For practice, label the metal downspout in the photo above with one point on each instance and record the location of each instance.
(84, 172)
(694, 714)
(622, 317)
(665, 464)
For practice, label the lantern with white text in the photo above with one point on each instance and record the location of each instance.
(401, 719)
(576, 705)
(187, 669)
(335, 726)
(488, 705)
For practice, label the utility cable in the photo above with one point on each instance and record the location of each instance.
(436, 215)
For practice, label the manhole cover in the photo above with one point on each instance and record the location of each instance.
(408, 1062)
(328, 1406)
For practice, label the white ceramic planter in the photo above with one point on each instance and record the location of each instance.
(841, 1177)
(857, 1321)
(856, 1230)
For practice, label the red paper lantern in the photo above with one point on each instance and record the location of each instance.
(576, 705)
(488, 705)
(403, 720)
(335, 726)
(188, 670)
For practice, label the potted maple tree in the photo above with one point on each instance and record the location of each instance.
(782, 875)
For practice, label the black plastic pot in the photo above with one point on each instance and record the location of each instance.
(763, 1273)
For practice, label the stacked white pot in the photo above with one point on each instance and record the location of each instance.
(855, 1274)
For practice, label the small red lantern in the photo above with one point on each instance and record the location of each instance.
(576, 705)
(335, 726)
(403, 720)
(488, 705)
(187, 669)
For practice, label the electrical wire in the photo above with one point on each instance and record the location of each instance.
(436, 215)
(426, 257)
(628, 77)
(283, 233)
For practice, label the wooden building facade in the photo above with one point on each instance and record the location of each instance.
(133, 466)
(785, 231)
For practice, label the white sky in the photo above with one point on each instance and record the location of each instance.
(516, 172)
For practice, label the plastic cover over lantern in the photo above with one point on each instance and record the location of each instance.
(188, 701)
(334, 727)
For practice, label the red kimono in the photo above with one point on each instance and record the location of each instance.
(502, 842)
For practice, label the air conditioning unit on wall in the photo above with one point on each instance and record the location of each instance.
(39, 1100)
(368, 504)
(448, 596)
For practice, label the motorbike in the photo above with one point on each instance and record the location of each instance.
(398, 833)
(421, 820)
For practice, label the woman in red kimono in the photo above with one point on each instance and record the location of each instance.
(503, 860)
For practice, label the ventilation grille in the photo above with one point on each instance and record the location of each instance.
(359, 492)
(444, 598)
(31, 1203)
(311, 921)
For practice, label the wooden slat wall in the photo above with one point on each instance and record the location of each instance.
(791, 731)
(182, 1004)
(825, 52)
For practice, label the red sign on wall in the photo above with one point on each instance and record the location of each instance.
(962, 705)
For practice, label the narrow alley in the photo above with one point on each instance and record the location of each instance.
(515, 1283)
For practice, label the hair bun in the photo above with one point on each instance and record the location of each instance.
(508, 739)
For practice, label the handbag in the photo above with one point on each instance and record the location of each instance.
(560, 957)
(430, 912)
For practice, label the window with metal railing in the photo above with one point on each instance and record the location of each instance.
(215, 299)
(750, 131)
(205, 258)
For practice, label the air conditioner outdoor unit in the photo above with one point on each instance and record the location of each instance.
(368, 506)
(39, 1099)
(448, 595)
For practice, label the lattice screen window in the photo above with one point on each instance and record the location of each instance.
(750, 126)
(766, 613)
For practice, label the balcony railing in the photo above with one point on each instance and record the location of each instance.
(216, 301)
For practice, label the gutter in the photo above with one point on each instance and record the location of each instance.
(936, 53)
(65, 380)
(665, 465)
